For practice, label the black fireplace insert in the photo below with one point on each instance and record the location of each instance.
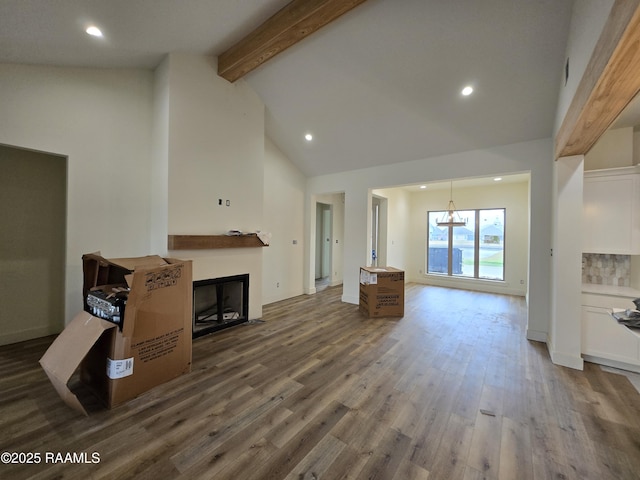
(220, 303)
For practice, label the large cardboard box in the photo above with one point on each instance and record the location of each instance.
(150, 346)
(381, 292)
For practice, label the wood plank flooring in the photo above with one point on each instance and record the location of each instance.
(452, 390)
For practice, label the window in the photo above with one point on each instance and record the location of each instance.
(475, 250)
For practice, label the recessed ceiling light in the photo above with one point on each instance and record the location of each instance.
(423, 187)
(308, 137)
(497, 179)
(94, 31)
(468, 90)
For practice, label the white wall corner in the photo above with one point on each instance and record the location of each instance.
(537, 336)
(565, 360)
(351, 299)
(566, 282)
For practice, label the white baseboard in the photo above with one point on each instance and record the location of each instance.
(28, 334)
(612, 363)
(283, 296)
(351, 299)
(478, 285)
(537, 336)
(565, 360)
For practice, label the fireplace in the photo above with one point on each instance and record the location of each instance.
(220, 303)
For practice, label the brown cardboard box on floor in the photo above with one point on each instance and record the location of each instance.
(381, 292)
(150, 346)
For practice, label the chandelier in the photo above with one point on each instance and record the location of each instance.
(451, 217)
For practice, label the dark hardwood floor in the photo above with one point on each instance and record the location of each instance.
(452, 390)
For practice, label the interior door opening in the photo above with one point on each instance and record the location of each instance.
(324, 221)
(33, 211)
(378, 231)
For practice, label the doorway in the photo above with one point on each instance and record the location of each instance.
(324, 222)
(378, 231)
(33, 206)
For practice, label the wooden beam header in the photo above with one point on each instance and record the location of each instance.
(295, 21)
(611, 80)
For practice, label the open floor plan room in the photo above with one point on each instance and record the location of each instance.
(453, 390)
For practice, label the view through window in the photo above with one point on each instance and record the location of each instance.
(475, 250)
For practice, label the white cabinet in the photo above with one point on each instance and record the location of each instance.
(604, 340)
(603, 337)
(611, 211)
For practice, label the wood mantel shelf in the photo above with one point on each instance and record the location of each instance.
(203, 242)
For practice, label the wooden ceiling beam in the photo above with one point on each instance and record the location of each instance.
(611, 80)
(295, 21)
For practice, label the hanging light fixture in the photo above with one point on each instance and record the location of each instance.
(451, 217)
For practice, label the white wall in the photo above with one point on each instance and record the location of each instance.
(534, 157)
(215, 151)
(149, 153)
(283, 205)
(159, 221)
(588, 18)
(337, 250)
(511, 196)
(613, 149)
(101, 120)
(398, 225)
(564, 339)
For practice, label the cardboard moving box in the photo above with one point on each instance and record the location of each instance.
(381, 292)
(151, 345)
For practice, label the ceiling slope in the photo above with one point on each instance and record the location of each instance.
(383, 85)
(378, 85)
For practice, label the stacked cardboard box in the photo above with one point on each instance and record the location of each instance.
(152, 343)
(381, 292)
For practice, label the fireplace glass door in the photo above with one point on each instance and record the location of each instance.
(220, 303)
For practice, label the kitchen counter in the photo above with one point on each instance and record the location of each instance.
(612, 291)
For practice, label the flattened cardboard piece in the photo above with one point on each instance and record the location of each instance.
(67, 351)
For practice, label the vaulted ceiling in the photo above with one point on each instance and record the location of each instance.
(378, 85)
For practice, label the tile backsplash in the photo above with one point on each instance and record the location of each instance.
(605, 269)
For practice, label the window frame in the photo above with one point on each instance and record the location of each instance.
(476, 246)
